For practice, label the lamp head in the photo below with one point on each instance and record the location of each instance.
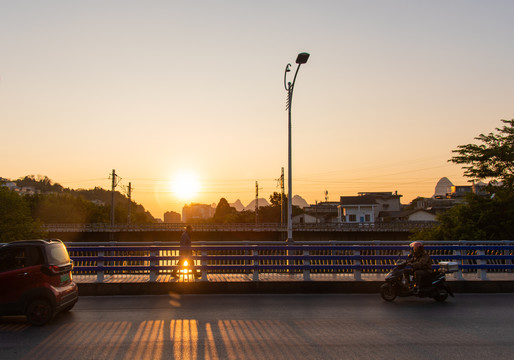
(302, 58)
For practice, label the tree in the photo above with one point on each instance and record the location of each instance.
(224, 212)
(481, 217)
(39, 182)
(60, 208)
(493, 159)
(275, 199)
(16, 222)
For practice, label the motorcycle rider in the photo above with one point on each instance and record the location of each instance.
(421, 264)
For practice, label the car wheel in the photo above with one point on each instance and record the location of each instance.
(39, 312)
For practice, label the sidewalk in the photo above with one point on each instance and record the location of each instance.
(272, 283)
(284, 277)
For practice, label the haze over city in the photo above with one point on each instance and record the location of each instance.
(186, 100)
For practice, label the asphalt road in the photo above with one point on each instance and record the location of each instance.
(339, 326)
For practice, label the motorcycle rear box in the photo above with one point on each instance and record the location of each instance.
(448, 266)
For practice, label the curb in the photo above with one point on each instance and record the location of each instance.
(269, 287)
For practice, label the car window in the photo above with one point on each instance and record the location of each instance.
(33, 256)
(12, 258)
(57, 254)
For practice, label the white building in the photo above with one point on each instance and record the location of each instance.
(305, 219)
(357, 209)
(368, 207)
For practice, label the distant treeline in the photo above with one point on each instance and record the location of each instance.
(23, 216)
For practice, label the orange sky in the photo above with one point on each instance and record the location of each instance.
(157, 89)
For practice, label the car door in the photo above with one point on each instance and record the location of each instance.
(17, 273)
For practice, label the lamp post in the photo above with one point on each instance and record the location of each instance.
(300, 59)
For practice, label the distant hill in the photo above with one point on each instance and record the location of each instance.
(238, 205)
(56, 204)
(262, 202)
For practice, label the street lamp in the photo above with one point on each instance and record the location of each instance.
(300, 59)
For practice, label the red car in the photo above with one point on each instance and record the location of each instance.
(35, 280)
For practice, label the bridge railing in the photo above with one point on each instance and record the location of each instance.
(360, 227)
(153, 259)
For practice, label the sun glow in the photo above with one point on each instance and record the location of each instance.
(185, 186)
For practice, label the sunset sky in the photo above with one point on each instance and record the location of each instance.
(159, 89)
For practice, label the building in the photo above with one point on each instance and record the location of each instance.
(305, 219)
(417, 215)
(323, 212)
(29, 190)
(442, 188)
(411, 215)
(357, 209)
(172, 217)
(9, 184)
(193, 212)
(368, 207)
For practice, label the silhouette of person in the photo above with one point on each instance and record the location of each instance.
(185, 252)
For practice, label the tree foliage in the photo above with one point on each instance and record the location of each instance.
(224, 212)
(481, 217)
(66, 208)
(16, 221)
(492, 159)
(54, 204)
(39, 182)
(275, 199)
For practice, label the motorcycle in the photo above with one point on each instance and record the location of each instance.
(433, 286)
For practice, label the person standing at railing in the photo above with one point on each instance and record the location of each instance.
(186, 262)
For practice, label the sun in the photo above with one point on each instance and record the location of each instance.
(185, 185)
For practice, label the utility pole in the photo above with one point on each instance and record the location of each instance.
(282, 205)
(113, 187)
(129, 202)
(115, 179)
(256, 202)
(280, 183)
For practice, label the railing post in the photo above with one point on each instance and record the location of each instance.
(204, 265)
(153, 265)
(247, 263)
(357, 270)
(306, 265)
(482, 273)
(459, 272)
(100, 264)
(464, 253)
(255, 262)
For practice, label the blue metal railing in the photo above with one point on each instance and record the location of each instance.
(313, 258)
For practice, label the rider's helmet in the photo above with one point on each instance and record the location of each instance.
(416, 246)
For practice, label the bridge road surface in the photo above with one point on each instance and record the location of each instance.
(334, 326)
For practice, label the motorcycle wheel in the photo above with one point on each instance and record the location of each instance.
(387, 292)
(441, 295)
